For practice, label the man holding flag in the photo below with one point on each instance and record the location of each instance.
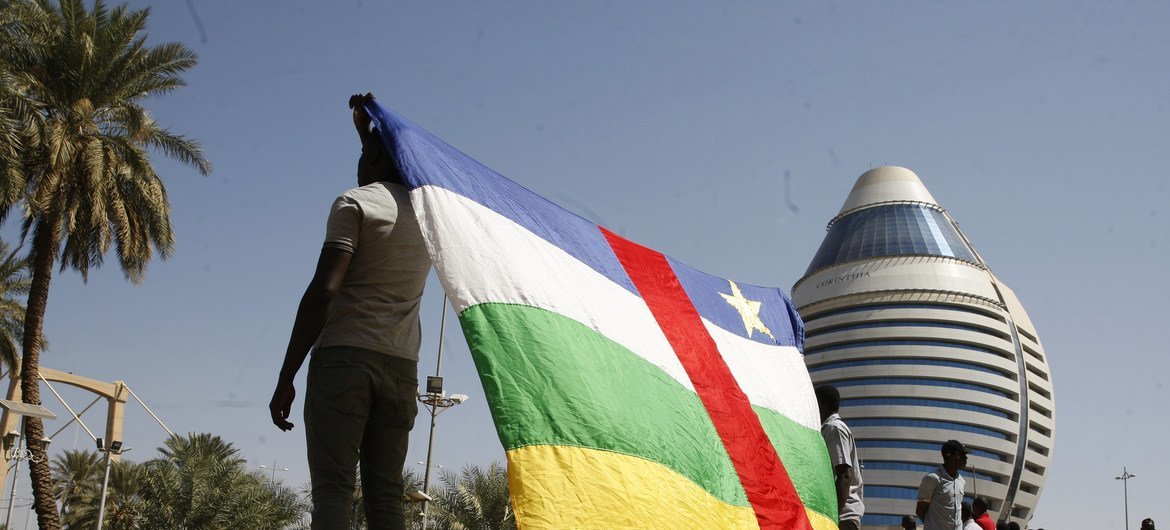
(359, 315)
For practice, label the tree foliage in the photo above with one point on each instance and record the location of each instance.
(473, 499)
(197, 481)
(14, 283)
(75, 144)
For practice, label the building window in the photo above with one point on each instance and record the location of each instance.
(911, 361)
(891, 492)
(922, 402)
(881, 307)
(927, 424)
(882, 465)
(880, 381)
(904, 342)
(925, 446)
(883, 519)
(906, 323)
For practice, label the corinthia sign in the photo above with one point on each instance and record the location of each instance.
(843, 278)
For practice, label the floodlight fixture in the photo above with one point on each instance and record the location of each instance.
(116, 445)
(100, 445)
(434, 385)
(418, 496)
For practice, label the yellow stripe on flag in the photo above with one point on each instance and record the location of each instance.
(819, 521)
(567, 487)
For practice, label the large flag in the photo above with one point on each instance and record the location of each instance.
(628, 390)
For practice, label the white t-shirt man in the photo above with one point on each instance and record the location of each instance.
(843, 450)
(945, 495)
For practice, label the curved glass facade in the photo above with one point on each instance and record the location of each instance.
(925, 446)
(918, 381)
(927, 424)
(875, 465)
(891, 230)
(922, 402)
(898, 342)
(879, 307)
(920, 362)
(892, 492)
(896, 324)
(882, 519)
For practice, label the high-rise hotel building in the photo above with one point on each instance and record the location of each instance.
(925, 344)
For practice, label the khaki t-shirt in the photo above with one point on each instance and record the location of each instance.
(377, 306)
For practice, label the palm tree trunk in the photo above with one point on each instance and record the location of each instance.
(44, 251)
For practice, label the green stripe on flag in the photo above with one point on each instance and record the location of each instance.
(552, 381)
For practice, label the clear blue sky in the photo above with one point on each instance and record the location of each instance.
(1041, 127)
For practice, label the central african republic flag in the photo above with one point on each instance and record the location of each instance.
(628, 390)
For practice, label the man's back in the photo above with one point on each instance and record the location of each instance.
(376, 307)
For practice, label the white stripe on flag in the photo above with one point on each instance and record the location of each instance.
(503, 262)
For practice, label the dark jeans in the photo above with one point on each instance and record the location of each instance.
(849, 525)
(359, 405)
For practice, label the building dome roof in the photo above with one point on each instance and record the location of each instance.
(886, 184)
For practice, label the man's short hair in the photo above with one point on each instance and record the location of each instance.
(954, 446)
(828, 397)
(979, 502)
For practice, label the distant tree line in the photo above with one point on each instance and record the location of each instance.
(199, 481)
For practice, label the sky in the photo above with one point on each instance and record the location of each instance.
(725, 134)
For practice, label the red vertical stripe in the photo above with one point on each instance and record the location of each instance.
(767, 484)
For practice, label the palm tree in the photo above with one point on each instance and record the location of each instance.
(198, 446)
(189, 486)
(86, 177)
(76, 475)
(474, 499)
(13, 284)
(197, 481)
(21, 28)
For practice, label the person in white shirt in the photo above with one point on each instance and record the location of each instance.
(843, 457)
(969, 518)
(940, 495)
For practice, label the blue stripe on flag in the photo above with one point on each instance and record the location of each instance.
(776, 311)
(426, 160)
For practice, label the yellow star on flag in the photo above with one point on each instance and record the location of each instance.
(749, 311)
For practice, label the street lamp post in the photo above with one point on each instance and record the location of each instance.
(1124, 478)
(436, 401)
(12, 440)
(12, 451)
(115, 448)
(274, 470)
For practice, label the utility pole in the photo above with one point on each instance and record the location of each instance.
(1124, 478)
(274, 470)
